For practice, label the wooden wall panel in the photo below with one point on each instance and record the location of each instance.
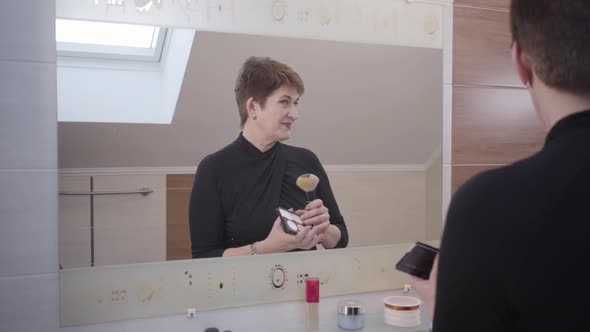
(460, 174)
(481, 48)
(494, 122)
(494, 126)
(504, 4)
(178, 244)
(180, 181)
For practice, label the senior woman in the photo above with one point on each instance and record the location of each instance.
(237, 189)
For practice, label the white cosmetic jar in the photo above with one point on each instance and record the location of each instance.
(402, 311)
(351, 315)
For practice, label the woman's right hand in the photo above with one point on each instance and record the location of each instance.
(278, 241)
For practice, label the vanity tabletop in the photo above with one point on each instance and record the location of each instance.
(373, 323)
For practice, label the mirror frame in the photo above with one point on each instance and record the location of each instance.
(149, 282)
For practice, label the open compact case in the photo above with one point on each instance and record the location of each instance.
(290, 221)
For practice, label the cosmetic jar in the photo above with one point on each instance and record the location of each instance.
(351, 315)
(402, 311)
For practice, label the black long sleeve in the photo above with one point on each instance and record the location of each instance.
(205, 213)
(237, 190)
(515, 247)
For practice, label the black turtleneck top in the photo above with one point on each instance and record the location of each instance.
(238, 188)
(516, 245)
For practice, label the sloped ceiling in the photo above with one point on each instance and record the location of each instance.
(364, 104)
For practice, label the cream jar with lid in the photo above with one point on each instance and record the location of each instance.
(402, 311)
(351, 315)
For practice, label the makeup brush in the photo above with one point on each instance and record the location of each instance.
(308, 183)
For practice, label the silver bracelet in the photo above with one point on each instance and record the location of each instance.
(253, 250)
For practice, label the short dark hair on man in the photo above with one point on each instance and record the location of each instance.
(556, 36)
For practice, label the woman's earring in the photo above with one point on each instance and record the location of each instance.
(253, 116)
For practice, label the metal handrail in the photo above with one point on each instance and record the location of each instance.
(143, 191)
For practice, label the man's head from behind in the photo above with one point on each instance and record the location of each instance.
(554, 36)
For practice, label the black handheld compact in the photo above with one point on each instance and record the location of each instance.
(290, 221)
(418, 260)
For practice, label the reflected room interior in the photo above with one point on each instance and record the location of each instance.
(133, 131)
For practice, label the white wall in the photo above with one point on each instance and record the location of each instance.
(28, 167)
(108, 91)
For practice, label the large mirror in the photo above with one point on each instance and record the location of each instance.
(133, 132)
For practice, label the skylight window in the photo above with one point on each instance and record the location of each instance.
(109, 40)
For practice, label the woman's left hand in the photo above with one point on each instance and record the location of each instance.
(315, 215)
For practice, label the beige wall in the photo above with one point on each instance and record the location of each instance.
(74, 222)
(434, 217)
(362, 105)
(382, 207)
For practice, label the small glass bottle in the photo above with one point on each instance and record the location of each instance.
(351, 315)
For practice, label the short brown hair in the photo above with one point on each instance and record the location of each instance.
(259, 77)
(556, 36)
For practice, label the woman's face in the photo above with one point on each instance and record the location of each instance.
(275, 120)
